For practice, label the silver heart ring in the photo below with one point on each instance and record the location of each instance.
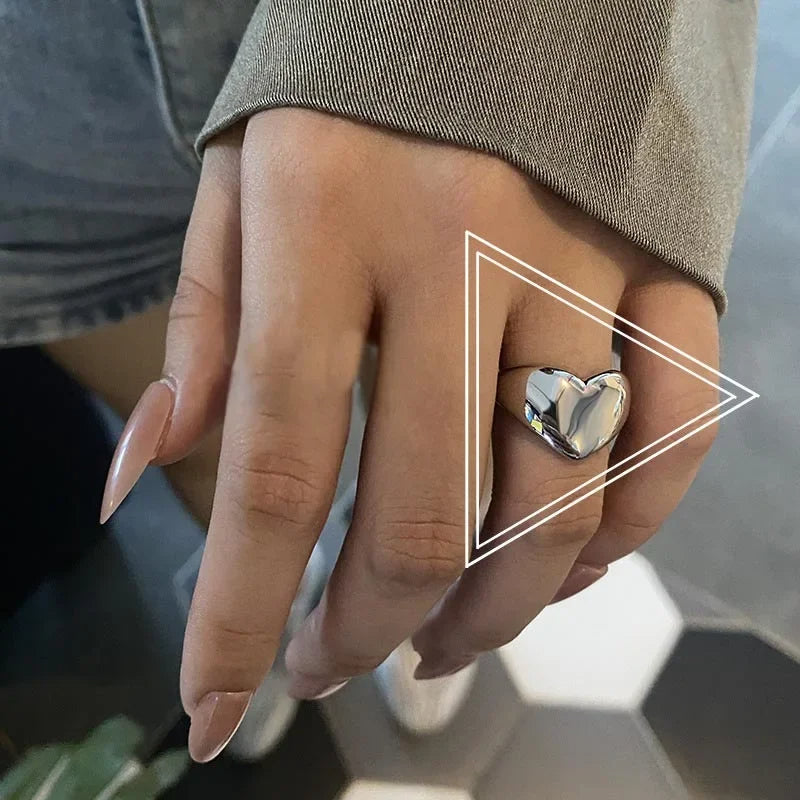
(574, 417)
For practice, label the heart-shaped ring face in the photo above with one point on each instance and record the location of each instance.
(576, 417)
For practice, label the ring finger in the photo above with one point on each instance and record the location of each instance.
(498, 596)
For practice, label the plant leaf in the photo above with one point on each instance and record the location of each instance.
(162, 773)
(23, 780)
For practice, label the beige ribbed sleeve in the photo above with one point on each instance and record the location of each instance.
(636, 111)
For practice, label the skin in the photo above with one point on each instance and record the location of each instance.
(310, 235)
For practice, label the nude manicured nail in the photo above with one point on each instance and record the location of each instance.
(580, 577)
(304, 687)
(138, 444)
(214, 721)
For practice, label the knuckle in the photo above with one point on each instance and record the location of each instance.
(687, 406)
(352, 663)
(277, 488)
(571, 528)
(417, 553)
(218, 645)
(238, 643)
(631, 534)
(268, 358)
(193, 298)
(698, 445)
(348, 655)
(276, 360)
(315, 182)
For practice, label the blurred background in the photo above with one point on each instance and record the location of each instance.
(678, 675)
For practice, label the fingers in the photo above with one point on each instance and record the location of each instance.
(499, 595)
(304, 317)
(665, 398)
(406, 542)
(174, 414)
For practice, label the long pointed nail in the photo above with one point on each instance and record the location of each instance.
(304, 687)
(138, 444)
(580, 577)
(214, 721)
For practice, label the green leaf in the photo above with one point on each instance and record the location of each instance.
(162, 773)
(102, 766)
(99, 759)
(23, 780)
(119, 735)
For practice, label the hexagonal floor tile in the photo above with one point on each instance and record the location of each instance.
(726, 711)
(566, 754)
(381, 790)
(374, 747)
(699, 608)
(602, 648)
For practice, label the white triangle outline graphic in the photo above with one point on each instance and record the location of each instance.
(556, 289)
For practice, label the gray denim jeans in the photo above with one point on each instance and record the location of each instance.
(100, 103)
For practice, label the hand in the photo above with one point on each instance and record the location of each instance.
(337, 232)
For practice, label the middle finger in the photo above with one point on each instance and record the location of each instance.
(406, 542)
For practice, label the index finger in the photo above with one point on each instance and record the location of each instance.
(302, 328)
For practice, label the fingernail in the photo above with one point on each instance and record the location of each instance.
(214, 722)
(304, 687)
(426, 671)
(580, 577)
(138, 444)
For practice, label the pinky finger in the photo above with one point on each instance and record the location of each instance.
(664, 398)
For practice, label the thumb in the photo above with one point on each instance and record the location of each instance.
(175, 413)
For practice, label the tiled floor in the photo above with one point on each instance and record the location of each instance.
(678, 699)
(693, 694)
(373, 747)
(573, 753)
(726, 710)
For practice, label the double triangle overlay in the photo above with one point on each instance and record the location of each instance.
(480, 256)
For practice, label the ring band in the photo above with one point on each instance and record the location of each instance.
(574, 417)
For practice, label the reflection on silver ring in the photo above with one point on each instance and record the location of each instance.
(574, 417)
